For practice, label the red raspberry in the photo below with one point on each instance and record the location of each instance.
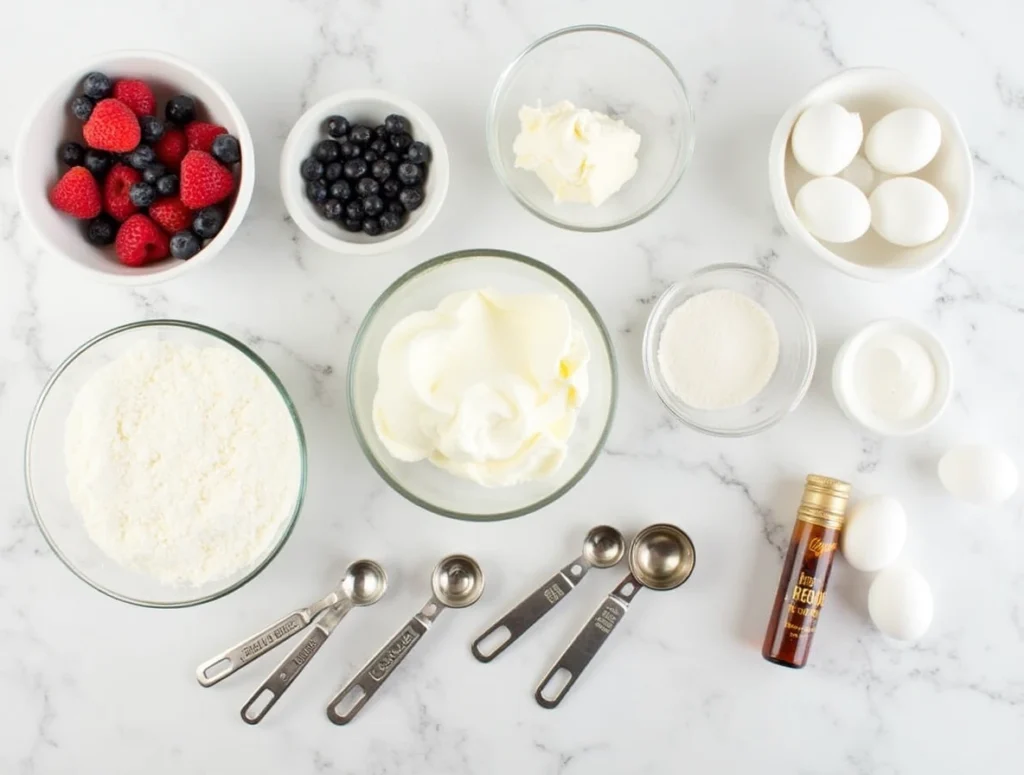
(77, 194)
(140, 242)
(112, 127)
(171, 214)
(136, 95)
(200, 135)
(204, 181)
(115, 191)
(171, 148)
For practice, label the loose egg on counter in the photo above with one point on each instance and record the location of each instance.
(833, 209)
(903, 141)
(874, 533)
(825, 138)
(979, 474)
(908, 211)
(900, 603)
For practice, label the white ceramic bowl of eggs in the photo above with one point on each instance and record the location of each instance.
(872, 174)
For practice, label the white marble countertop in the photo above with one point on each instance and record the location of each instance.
(93, 685)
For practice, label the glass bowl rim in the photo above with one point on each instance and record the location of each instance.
(495, 153)
(659, 312)
(424, 268)
(255, 359)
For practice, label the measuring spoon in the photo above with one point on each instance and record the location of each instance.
(364, 584)
(602, 548)
(457, 582)
(661, 557)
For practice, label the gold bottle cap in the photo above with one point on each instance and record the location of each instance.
(824, 501)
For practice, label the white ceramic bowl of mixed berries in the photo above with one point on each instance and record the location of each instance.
(137, 167)
(364, 172)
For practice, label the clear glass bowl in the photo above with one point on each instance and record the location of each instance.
(46, 474)
(613, 72)
(423, 288)
(797, 350)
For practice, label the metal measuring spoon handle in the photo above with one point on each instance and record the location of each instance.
(587, 642)
(530, 611)
(358, 691)
(235, 658)
(293, 664)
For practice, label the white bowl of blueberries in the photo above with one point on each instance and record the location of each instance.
(364, 172)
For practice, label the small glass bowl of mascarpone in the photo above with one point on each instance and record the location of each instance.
(482, 385)
(590, 128)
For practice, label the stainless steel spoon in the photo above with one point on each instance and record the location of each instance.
(602, 548)
(661, 557)
(457, 582)
(364, 584)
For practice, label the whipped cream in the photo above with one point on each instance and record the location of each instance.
(487, 386)
(579, 154)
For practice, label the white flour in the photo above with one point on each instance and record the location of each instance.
(182, 461)
(718, 350)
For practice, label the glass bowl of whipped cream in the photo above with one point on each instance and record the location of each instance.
(590, 128)
(482, 385)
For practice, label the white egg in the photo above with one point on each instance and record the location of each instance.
(908, 211)
(825, 138)
(833, 209)
(903, 141)
(861, 174)
(900, 603)
(874, 533)
(979, 474)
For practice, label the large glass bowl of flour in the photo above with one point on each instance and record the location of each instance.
(780, 332)
(154, 549)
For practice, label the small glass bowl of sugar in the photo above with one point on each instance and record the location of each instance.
(730, 350)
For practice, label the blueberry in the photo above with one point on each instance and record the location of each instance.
(411, 197)
(379, 146)
(101, 230)
(342, 190)
(360, 135)
(355, 169)
(167, 185)
(72, 154)
(396, 124)
(316, 192)
(354, 210)
(410, 174)
(311, 169)
(337, 126)
(390, 221)
(226, 149)
(185, 244)
(332, 209)
(142, 157)
(381, 170)
(152, 128)
(397, 208)
(367, 187)
(352, 224)
(180, 110)
(372, 227)
(153, 173)
(327, 151)
(97, 162)
(370, 157)
(97, 86)
(333, 171)
(81, 107)
(390, 188)
(142, 194)
(208, 222)
(349, 150)
(401, 141)
(392, 158)
(419, 153)
(380, 131)
(373, 205)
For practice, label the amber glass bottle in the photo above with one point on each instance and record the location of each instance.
(805, 573)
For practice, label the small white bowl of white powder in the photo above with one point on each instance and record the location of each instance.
(730, 350)
(165, 463)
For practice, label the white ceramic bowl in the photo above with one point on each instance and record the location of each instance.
(842, 377)
(873, 92)
(370, 107)
(37, 168)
